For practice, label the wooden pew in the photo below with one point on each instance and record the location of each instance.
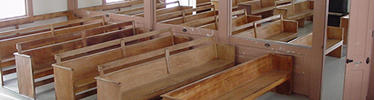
(49, 27)
(246, 81)
(134, 7)
(188, 18)
(344, 23)
(204, 20)
(26, 20)
(27, 45)
(76, 75)
(8, 46)
(34, 58)
(259, 7)
(334, 41)
(283, 2)
(276, 30)
(240, 23)
(149, 80)
(183, 12)
(298, 11)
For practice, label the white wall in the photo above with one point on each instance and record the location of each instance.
(49, 6)
(88, 3)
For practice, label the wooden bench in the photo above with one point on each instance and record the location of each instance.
(246, 81)
(333, 45)
(344, 23)
(149, 80)
(21, 22)
(188, 18)
(205, 20)
(44, 28)
(259, 7)
(8, 46)
(276, 30)
(298, 11)
(34, 58)
(185, 11)
(240, 23)
(134, 7)
(74, 78)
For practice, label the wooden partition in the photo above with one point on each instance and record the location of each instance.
(277, 30)
(259, 7)
(334, 41)
(150, 79)
(34, 58)
(246, 81)
(8, 45)
(73, 76)
(298, 11)
(344, 23)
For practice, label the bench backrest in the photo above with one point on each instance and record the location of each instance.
(48, 27)
(114, 6)
(212, 87)
(91, 61)
(297, 7)
(259, 4)
(189, 18)
(185, 11)
(139, 10)
(332, 33)
(88, 31)
(170, 64)
(8, 46)
(276, 25)
(44, 56)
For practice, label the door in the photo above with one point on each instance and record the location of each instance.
(359, 49)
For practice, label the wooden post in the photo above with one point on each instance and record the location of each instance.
(149, 14)
(225, 22)
(29, 6)
(72, 4)
(316, 55)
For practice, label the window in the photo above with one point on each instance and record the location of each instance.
(12, 8)
(182, 3)
(112, 1)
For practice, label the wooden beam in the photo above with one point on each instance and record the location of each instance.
(29, 8)
(316, 55)
(72, 4)
(225, 24)
(149, 13)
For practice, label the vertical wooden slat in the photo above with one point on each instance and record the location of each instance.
(225, 22)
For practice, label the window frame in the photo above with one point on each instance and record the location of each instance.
(28, 12)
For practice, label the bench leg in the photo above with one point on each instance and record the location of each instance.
(1, 77)
(286, 87)
(336, 53)
(301, 22)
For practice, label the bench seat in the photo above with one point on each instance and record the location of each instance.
(284, 36)
(246, 81)
(305, 14)
(257, 86)
(87, 83)
(176, 80)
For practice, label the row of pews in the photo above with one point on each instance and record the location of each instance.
(117, 60)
